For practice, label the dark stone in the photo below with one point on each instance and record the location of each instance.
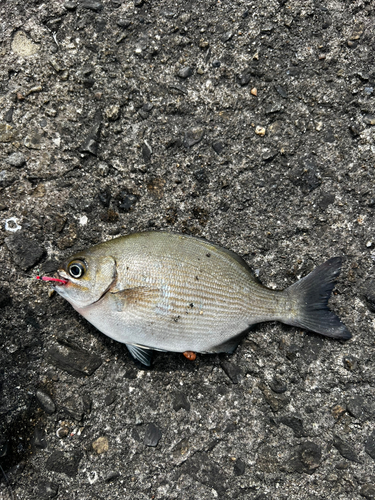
(291, 351)
(357, 407)
(39, 439)
(350, 363)
(105, 196)
(45, 402)
(204, 470)
(218, 146)
(87, 403)
(275, 402)
(278, 386)
(295, 423)
(74, 360)
(228, 35)
(239, 467)
(92, 5)
(125, 201)
(306, 176)
(64, 462)
(368, 491)
(70, 5)
(16, 159)
(269, 155)
(344, 449)
(193, 136)
(47, 490)
(280, 90)
(146, 151)
(244, 78)
(329, 135)
(369, 295)
(123, 23)
(152, 435)
(306, 458)
(9, 115)
(110, 398)
(233, 371)
(201, 176)
(112, 476)
(91, 143)
(25, 252)
(180, 401)
(88, 82)
(370, 445)
(74, 406)
(326, 200)
(216, 64)
(5, 297)
(185, 72)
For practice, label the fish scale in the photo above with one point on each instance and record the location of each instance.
(172, 292)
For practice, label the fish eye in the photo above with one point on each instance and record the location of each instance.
(76, 269)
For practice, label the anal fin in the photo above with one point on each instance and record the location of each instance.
(142, 354)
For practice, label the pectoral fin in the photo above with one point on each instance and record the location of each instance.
(142, 354)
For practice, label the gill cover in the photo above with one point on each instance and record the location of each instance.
(89, 278)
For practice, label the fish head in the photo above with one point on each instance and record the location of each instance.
(89, 275)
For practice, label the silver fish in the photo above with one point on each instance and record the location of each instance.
(171, 292)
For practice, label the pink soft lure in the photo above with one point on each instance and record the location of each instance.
(47, 278)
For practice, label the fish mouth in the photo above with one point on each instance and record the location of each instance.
(60, 275)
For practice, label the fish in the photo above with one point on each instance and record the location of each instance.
(165, 291)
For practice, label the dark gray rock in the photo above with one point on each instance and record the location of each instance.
(47, 490)
(281, 90)
(358, 407)
(350, 363)
(45, 402)
(295, 423)
(278, 386)
(16, 159)
(73, 405)
(9, 115)
(74, 360)
(277, 403)
(218, 146)
(5, 297)
(152, 435)
(110, 398)
(306, 176)
(64, 462)
(345, 449)
(25, 252)
(39, 439)
(91, 142)
(306, 458)
(203, 469)
(239, 467)
(370, 445)
(125, 201)
(369, 294)
(180, 401)
(193, 136)
(92, 5)
(146, 151)
(185, 72)
(233, 371)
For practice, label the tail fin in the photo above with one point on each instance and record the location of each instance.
(311, 295)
